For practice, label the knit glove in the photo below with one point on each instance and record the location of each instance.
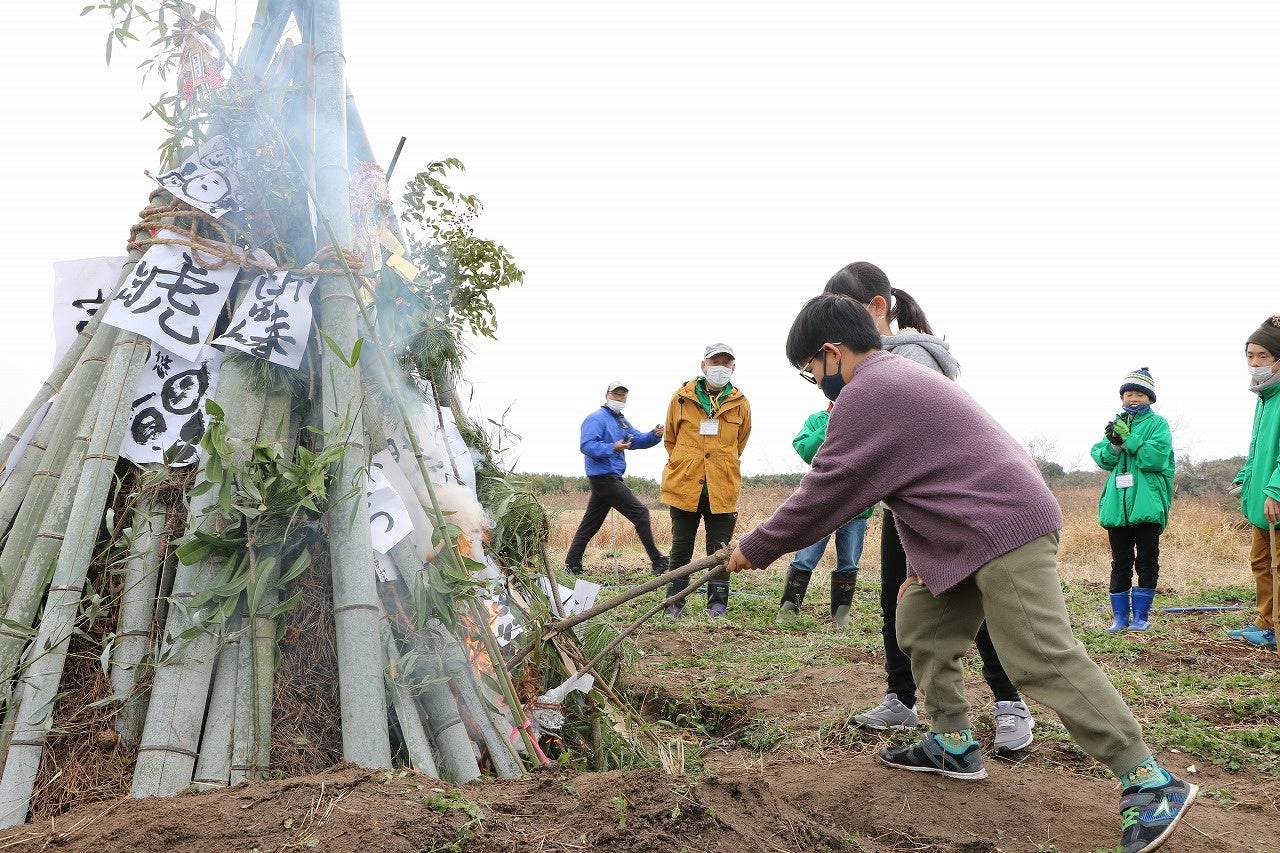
(1121, 429)
(1109, 433)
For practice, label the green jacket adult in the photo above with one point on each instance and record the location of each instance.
(1260, 476)
(1147, 454)
(810, 438)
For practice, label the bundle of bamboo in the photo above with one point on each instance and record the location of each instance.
(177, 593)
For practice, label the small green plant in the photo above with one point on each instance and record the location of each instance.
(620, 803)
(455, 801)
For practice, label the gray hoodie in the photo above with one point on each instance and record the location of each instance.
(931, 351)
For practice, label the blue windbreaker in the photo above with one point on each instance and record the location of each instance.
(600, 430)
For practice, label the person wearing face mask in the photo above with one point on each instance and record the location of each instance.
(1137, 449)
(708, 424)
(981, 531)
(867, 284)
(604, 439)
(1258, 482)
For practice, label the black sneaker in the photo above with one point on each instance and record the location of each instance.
(573, 570)
(929, 756)
(1150, 814)
(662, 565)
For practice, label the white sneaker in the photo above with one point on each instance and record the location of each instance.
(889, 714)
(1013, 726)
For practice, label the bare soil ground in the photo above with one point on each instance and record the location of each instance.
(834, 796)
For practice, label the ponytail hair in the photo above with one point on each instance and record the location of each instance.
(864, 281)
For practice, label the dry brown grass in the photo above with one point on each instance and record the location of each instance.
(1205, 545)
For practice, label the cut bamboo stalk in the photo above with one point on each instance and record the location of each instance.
(213, 767)
(65, 420)
(33, 575)
(456, 756)
(35, 715)
(505, 762)
(412, 731)
(184, 668)
(141, 576)
(243, 711)
(355, 595)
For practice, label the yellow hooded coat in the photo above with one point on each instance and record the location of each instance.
(695, 460)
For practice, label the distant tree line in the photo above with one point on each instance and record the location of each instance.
(1210, 477)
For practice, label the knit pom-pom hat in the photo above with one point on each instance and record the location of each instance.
(1139, 380)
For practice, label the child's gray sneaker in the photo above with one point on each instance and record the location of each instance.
(1150, 815)
(1013, 726)
(929, 756)
(889, 714)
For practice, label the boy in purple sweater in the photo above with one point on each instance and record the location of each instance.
(980, 529)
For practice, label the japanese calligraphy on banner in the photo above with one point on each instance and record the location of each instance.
(207, 180)
(389, 520)
(273, 321)
(168, 418)
(384, 568)
(79, 289)
(506, 627)
(172, 298)
(457, 467)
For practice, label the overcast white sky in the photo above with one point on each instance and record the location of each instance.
(1071, 190)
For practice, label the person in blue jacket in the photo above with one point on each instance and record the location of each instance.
(606, 436)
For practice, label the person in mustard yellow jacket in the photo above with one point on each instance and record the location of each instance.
(708, 424)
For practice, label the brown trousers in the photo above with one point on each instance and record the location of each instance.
(1260, 563)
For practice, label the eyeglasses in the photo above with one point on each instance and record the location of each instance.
(805, 374)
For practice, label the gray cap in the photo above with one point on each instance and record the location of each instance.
(614, 386)
(713, 349)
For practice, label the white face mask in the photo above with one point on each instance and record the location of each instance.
(614, 406)
(1260, 374)
(718, 377)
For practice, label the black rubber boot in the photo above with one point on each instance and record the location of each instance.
(675, 586)
(717, 598)
(842, 585)
(793, 590)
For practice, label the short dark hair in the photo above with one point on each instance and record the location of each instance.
(830, 318)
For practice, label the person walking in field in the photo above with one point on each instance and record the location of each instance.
(849, 539)
(604, 439)
(707, 427)
(980, 528)
(1137, 450)
(867, 284)
(1258, 482)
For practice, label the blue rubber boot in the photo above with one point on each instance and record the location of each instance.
(1142, 598)
(1119, 611)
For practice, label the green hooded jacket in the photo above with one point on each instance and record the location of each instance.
(810, 438)
(1147, 454)
(1260, 476)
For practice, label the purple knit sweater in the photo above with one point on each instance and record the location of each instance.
(962, 490)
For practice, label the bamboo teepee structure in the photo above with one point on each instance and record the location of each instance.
(183, 585)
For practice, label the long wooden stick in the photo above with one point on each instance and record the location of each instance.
(714, 561)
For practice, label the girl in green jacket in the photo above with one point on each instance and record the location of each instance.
(1137, 448)
(1259, 479)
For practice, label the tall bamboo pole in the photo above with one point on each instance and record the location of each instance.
(137, 610)
(355, 595)
(184, 669)
(35, 715)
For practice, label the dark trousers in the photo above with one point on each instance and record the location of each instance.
(1136, 545)
(684, 529)
(897, 665)
(609, 492)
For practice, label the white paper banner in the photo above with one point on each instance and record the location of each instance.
(207, 180)
(505, 625)
(79, 289)
(172, 299)
(273, 321)
(389, 520)
(581, 597)
(457, 467)
(15, 455)
(167, 420)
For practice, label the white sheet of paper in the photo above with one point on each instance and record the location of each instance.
(389, 520)
(79, 289)
(273, 321)
(29, 433)
(505, 624)
(384, 568)
(207, 180)
(172, 299)
(167, 419)
(708, 426)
